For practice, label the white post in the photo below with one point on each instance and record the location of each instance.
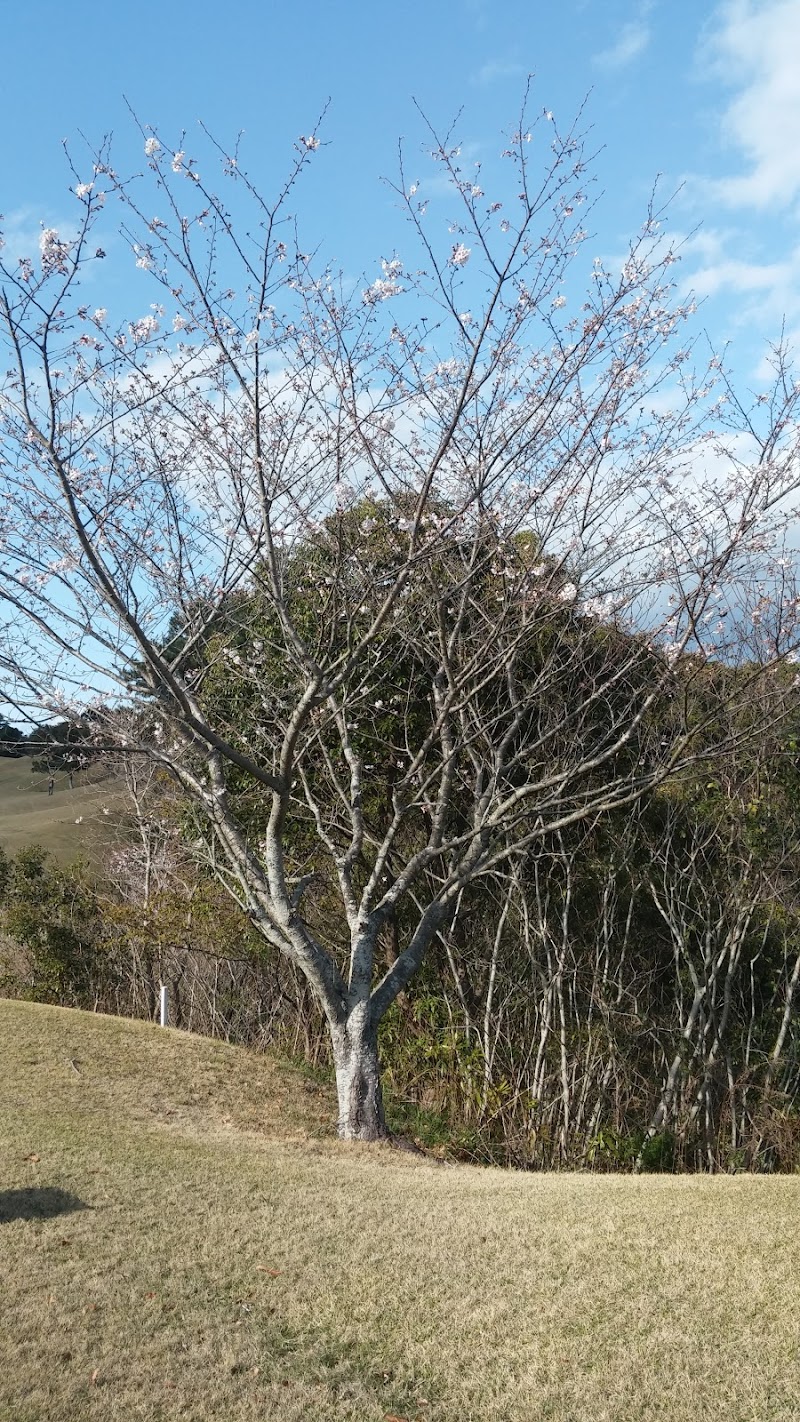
(164, 1006)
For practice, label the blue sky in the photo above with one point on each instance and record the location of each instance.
(706, 94)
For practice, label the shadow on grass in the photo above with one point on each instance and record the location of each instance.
(37, 1204)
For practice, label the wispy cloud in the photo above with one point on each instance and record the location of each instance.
(721, 262)
(632, 40)
(479, 12)
(22, 231)
(776, 280)
(754, 45)
(497, 69)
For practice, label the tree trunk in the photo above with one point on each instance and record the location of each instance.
(358, 1079)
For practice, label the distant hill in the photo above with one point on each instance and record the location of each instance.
(69, 822)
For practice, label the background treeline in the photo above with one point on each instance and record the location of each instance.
(624, 998)
(63, 745)
(621, 995)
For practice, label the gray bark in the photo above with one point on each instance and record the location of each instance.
(358, 1080)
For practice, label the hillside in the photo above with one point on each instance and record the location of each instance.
(69, 822)
(182, 1237)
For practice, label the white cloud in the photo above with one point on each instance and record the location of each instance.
(496, 69)
(743, 277)
(22, 231)
(751, 261)
(754, 45)
(723, 263)
(480, 12)
(632, 41)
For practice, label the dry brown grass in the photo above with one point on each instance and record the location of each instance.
(231, 1263)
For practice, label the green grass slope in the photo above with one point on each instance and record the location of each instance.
(181, 1237)
(69, 822)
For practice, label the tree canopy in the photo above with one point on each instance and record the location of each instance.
(409, 564)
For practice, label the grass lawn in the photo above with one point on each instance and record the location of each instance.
(28, 815)
(181, 1237)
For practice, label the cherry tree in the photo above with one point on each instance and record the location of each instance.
(445, 533)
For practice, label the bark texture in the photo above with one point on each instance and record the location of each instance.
(358, 1081)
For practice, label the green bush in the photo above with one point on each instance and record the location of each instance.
(52, 914)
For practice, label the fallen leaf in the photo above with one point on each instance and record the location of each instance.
(95, 1376)
(32, 1157)
(273, 1273)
